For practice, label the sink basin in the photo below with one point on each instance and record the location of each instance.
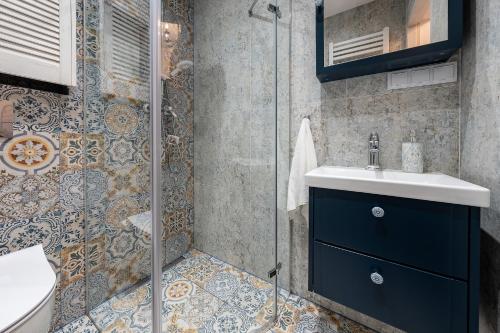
(427, 186)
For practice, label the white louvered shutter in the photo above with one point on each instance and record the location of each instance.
(126, 52)
(38, 40)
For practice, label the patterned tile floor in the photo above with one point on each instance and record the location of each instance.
(205, 295)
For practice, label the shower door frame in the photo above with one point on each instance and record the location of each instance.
(277, 265)
(155, 114)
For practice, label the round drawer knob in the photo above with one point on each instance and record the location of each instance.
(377, 278)
(378, 212)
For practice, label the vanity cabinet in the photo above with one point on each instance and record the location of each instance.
(413, 264)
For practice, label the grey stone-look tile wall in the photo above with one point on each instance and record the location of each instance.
(234, 129)
(351, 109)
(480, 148)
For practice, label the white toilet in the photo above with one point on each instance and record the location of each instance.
(27, 284)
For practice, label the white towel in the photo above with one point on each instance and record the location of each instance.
(304, 160)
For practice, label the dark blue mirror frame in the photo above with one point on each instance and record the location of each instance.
(416, 56)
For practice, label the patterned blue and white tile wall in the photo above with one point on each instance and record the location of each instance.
(41, 183)
(91, 135)
(118, 158)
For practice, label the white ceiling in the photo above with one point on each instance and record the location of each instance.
(333, 7)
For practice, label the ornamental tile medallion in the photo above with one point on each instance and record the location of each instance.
(24, 233)
(71, 151)
(128, 180)
(28, 196)
(122, 245)
(118, 212)
(29, 154)
(99, 291)
(73, 304)
(173, 223)
(73, 226)
(179, 290)
(72, 190)
(95, 254)
(121, 119)
(94, 151)
(121, 152)
(73, 264)
(34, 110)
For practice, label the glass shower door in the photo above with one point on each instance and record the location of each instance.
(214, 81)
(182, 301)
(219, 167)
(117, 143)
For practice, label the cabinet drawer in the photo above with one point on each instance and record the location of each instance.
(427, 235)
(407, 298)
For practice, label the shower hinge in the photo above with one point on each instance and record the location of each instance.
(275, 271)
(274, 9)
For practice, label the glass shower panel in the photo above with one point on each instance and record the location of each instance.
(235, 158)
(117, 172)
(224, 140)
(179, 293)
(283, 235)
(177, 128)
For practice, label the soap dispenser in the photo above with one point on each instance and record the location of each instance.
(413, 155)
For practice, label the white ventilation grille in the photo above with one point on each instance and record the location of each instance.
(131, 41)
(37, 39)
(30, 28)
(422, 76)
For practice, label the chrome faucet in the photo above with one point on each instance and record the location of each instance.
(373, 152)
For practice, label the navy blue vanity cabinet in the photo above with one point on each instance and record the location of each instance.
(413, 264)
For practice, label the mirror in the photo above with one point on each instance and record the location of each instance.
(358, 29)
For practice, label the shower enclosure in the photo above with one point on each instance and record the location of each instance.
(186, 140)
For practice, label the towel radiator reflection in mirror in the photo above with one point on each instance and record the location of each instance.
(358, 47)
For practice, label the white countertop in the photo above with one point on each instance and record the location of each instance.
(426, 186)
